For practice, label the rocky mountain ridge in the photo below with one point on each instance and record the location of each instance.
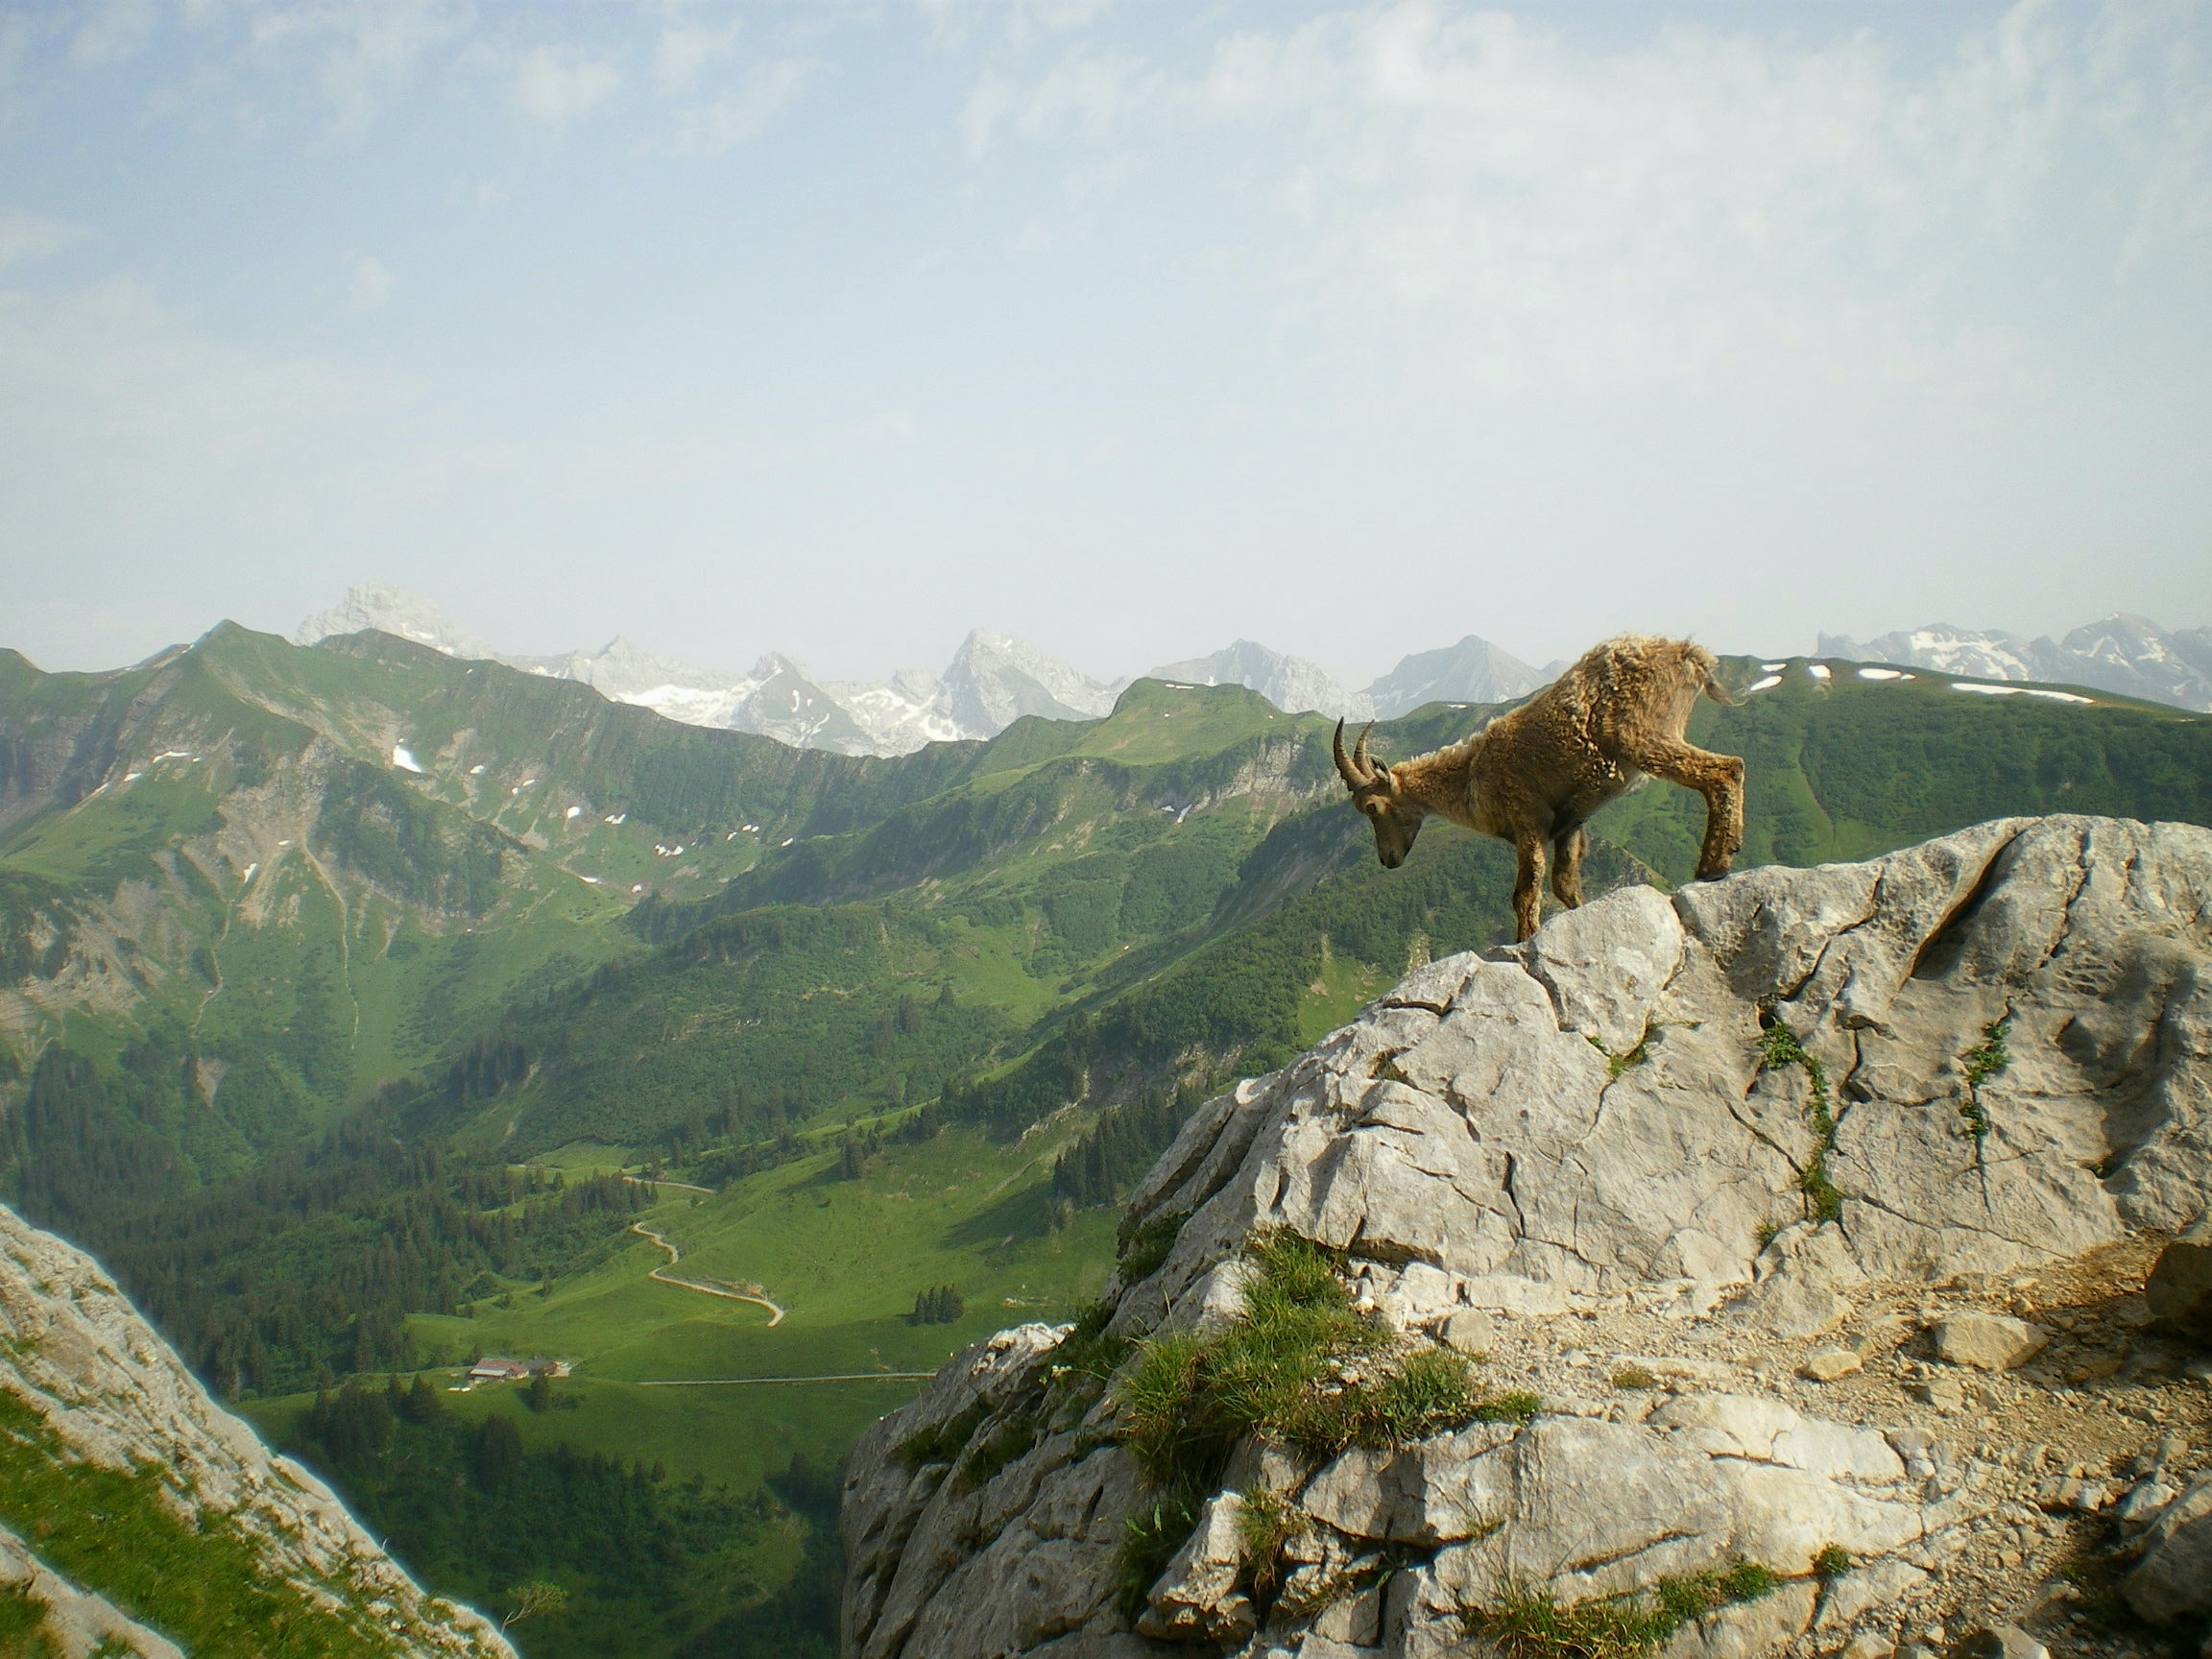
(2131, 654)
(1800, 1219)
(994, 680)
(145, 1519)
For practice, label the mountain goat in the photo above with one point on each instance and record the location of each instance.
(1534, 775)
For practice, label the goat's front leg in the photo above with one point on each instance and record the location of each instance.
(1723, 792)
(1566, 867)
(1528, 885)
(1719, 778)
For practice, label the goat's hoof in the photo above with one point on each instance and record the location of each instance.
(1712, 872)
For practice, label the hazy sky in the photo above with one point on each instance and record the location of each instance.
(841, 328)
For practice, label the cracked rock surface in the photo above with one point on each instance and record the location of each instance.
(1656, 1160)
(109, 1392)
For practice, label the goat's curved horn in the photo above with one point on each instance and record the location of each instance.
(1366, 767)
(1350, 774)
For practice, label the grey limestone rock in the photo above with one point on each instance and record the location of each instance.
(1602, 1119)
(2173, 1580)
(1988, 1342)
(2179, 1289)
(2000, 1641)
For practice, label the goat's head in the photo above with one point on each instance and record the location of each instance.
(1394, 819)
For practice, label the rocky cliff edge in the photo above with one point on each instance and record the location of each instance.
(1794, 1228)
(89, 1391)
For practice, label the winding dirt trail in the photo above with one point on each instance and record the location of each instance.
(705, 1287)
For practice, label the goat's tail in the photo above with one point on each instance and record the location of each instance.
(1708, 667)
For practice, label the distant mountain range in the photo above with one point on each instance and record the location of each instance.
(992, 682)
(994, 679)
(2131, 654)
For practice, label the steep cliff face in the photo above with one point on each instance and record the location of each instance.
(135, 1511)
(1794, 1220)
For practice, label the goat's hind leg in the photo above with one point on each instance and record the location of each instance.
(1719, 778)
(1528, 885)
(1567, 849)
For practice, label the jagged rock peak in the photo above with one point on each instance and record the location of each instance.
(1656, 1162)
(1472, 671)
(994, 680)
(394, 611)
(1291, 683)
(85, 1382)
(2131, 654)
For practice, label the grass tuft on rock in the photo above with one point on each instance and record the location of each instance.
(1529, 1623)
(942, 1442)
(1145, 1247)
(1298, 1366)
(1266, 1523)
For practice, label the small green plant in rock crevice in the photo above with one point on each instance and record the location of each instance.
(1145, 1247)
(942, 1442)
(1084, 1362)
(1780, 1047)
(1529, 1623)
(1149, 1538)
(1979, 1064)
(1616, 1063)
(1266, 1521)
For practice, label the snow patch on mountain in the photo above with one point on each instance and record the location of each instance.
(2130, 655)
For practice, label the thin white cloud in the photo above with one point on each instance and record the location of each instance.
(109, 30)
(1018, 23)
(370, 281)
(768, 88)
(360, 56)
(683, 49)
(1489, 197)
(25, 237)
(1088, 93)
(557, 84)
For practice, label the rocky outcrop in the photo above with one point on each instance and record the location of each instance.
(1673, 1163)
(2179, 1290)
(87, 1385)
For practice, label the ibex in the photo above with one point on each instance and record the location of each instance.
(1533, 776)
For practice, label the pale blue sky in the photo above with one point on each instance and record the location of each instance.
(841, 328)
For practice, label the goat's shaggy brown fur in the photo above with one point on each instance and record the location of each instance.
(1534, 775)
